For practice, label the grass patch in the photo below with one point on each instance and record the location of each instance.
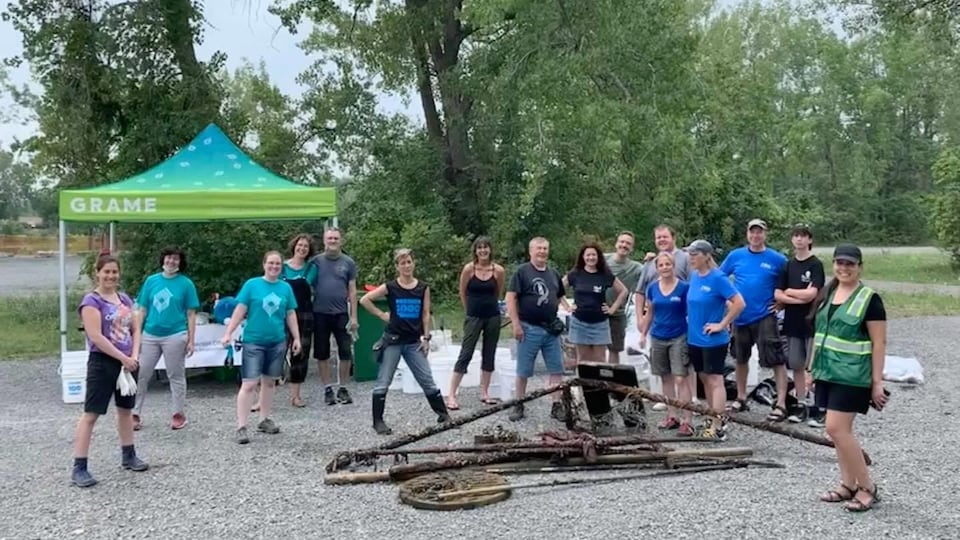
(919, 304)
(914, 268)
(31, 325)
(25, 244)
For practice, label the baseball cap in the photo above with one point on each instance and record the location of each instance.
(700, 246)
(757, 223)
(847, 252)
(801, 228)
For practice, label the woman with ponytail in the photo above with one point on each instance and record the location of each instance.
(846, 361)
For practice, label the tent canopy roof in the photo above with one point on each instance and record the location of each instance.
(209, 179)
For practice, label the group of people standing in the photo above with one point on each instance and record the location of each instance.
(690, 308)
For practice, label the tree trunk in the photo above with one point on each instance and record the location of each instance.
(176, 21)
(442, 37)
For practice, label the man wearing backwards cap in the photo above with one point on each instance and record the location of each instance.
(756, 270)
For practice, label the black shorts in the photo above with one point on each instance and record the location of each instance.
(324, 325)
(765, 334)
(102, 373)
(842, 397)
(708, 360)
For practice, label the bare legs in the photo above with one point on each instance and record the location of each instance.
(854, 473)
(676, 388)
(244, 399)
(83, 433)
(591, 353)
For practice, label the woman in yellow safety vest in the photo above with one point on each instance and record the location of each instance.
(846, 363)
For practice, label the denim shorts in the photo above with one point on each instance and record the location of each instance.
(583, 333)
(537, 339)
(262, 360)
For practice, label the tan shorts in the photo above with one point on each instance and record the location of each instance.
(669, 357)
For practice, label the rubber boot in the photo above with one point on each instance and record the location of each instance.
(439, 407)
(379, 403)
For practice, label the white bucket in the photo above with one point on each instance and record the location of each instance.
(506, 376)
(73, 376)
(753, 378)
(73, 388)
(441, 366)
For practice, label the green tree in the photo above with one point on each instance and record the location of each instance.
(15, 186)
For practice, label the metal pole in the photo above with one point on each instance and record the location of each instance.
(63, 287)
(113, 245)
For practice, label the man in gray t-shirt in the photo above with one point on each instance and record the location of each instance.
(665, 240)
(628, 272)
(334, 307)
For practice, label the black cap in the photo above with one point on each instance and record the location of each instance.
(801, 228)
(847, 252)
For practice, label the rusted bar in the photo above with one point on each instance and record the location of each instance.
(344, 459)
(736, 418)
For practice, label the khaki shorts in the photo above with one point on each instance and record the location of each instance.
(669, 357)
(618, 331)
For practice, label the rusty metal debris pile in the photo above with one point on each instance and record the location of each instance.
(470, 475)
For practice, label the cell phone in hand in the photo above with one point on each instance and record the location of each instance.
(874, 405)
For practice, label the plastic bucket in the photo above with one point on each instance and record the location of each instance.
(506, 377)
(73, 376)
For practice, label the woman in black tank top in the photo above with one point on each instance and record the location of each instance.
(298, 272)
(481, 287)
(407, 335)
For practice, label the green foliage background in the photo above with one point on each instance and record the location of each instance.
(562, 119)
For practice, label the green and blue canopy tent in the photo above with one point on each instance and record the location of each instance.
(209, 179)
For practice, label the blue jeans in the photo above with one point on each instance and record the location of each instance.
(537, 339)
(262, 361)
(416, 361)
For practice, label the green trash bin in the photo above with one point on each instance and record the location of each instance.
(365, 367)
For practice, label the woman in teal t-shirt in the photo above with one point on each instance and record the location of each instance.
(167, 305)
(267, 303)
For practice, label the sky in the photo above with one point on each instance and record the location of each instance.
(244, 31)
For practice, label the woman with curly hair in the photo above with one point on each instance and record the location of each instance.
(590, 322)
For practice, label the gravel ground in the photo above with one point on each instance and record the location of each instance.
(203, 485)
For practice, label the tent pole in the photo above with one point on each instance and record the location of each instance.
(112, 244)
(63, 287)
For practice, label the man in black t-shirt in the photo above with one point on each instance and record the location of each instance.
(800, 281)
(533, 296)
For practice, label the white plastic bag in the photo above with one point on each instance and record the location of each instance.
(126, 383)
(902, 370)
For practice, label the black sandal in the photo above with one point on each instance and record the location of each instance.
(836, 496)
(739, 405)
(778, 414)
(855, 505)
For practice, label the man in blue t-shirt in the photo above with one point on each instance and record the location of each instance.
(756, 270)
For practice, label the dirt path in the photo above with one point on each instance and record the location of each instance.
(915, 288)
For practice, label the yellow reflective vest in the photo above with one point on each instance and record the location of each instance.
(842, 350)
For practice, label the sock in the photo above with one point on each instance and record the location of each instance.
(80, 463)
(128, 451)
(328, 387)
